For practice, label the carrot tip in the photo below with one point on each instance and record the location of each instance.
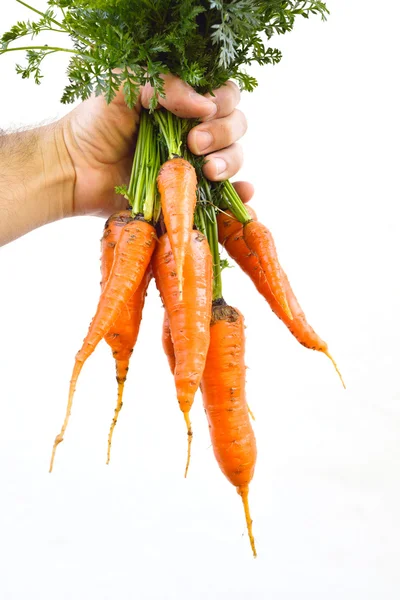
(190, 438)
(336, 368)
(57, 441)
(243, 492)
(115, 420)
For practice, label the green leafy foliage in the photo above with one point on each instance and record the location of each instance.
(128, 43)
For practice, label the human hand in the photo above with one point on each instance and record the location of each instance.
(100, 140)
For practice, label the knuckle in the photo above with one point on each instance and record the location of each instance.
(237, 150)
(227, 132)
(242, 120)
(235, 89)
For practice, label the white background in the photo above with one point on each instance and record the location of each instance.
(322, 151)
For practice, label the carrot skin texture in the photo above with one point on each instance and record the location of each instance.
(189, 314)
(228, 225)
(189, 317)
(123, 334)
(260, 241)
(231, 235)
(177, 184)
(224, 398)
(132, 256)
(122, 339)
(167, 343)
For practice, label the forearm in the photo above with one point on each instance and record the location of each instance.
(36, 181)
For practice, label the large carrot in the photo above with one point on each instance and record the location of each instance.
(132, 255)
(231, 235)
(167, 343)
(177, 186)
(188, 314)
(123, 334)
(224, 397)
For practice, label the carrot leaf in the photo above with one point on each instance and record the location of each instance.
(131, 43)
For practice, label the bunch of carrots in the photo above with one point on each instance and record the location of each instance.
(171, 233)
(176, 218)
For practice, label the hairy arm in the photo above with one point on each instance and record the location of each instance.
(36, 180)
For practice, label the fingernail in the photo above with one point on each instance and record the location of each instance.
(220, 165)
(203, 140)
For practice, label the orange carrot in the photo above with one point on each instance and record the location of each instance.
(188, 314)
(228, 225)
(132, 255)
(231, 235)
(123, 334)
(168, 344)
(224, 398)
(260, 241)
(177, 186)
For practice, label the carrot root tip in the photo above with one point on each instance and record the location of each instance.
(115, 419)
(243, 492)
(336, 368)
(189, 441)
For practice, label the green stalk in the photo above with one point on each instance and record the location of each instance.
(234, 203)
(39, 12)
(51, 48)
(211, 233)
(171, 129)
(142, 190)
(35, 10)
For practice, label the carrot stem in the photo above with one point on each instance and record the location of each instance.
(142, 190)
(234, 203)
(207, 220)
(171, 128)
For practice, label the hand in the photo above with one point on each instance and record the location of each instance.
(100, 140)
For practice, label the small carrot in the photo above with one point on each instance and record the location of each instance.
(231, 235)
(167, 343)
(177, 184)
(188, 314)
(123, 334)
(224, 398)
(132, 256)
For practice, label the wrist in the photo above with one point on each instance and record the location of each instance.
(57, 180)
(36, 180)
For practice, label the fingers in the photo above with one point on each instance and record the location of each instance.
(220, 128)
(245, 190)
(224, 164)
(181, 99)
(226, 98)
(217, 133)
